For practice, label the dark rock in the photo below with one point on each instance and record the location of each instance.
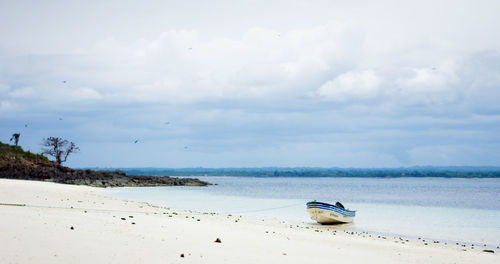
(72, 228)
(123, 218)
(488, 251)
(218, 240)
(182, 255)
(15, 166)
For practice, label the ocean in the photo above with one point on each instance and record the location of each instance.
(447, 209)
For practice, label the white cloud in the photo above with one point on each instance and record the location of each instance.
(351, 86)
(431, 78)
(429, 85)
(85, 94)
(7, 106)
(179, 66)
(272, 74)
(334, 61)
(23, 93)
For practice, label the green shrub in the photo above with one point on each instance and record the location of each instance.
(18, 151)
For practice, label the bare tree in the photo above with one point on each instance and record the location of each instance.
(59, 148)
(15, 137)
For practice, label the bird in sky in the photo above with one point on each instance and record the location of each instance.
(135, 142)
(64, 81)
(166, 123)
(60, 118)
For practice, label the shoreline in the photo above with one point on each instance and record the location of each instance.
(429, 222)
(348, 227)
(62, 223)
(351, 228)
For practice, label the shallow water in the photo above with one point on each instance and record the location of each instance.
(451, 209)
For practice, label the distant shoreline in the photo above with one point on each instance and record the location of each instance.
(412, 172)
(471, 178)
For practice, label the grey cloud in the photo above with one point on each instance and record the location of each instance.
(323, 83)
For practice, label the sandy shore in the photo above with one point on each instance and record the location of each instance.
(78, 224)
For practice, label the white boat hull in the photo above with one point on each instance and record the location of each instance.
(323, 216)
(325, 213)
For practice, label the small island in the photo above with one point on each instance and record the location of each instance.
(15, 163)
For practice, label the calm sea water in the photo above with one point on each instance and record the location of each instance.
(465, 210)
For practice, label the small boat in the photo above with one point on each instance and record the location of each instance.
(325, 213)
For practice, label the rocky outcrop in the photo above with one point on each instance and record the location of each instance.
(14, 165)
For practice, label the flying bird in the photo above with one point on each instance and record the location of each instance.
(135, 142)
(60, 118)
(64, 81)
(166, 123)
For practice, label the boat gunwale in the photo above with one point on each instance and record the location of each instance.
(330, 207)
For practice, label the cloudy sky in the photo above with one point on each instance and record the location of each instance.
(254, 83)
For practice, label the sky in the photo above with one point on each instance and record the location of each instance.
(254, 83)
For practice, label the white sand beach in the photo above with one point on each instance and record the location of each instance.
(43, 222)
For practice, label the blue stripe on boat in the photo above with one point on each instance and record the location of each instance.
(331, 207)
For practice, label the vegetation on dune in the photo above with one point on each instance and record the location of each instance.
(17, 151)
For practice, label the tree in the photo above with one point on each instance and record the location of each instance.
(59, 148)
(15, 137)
